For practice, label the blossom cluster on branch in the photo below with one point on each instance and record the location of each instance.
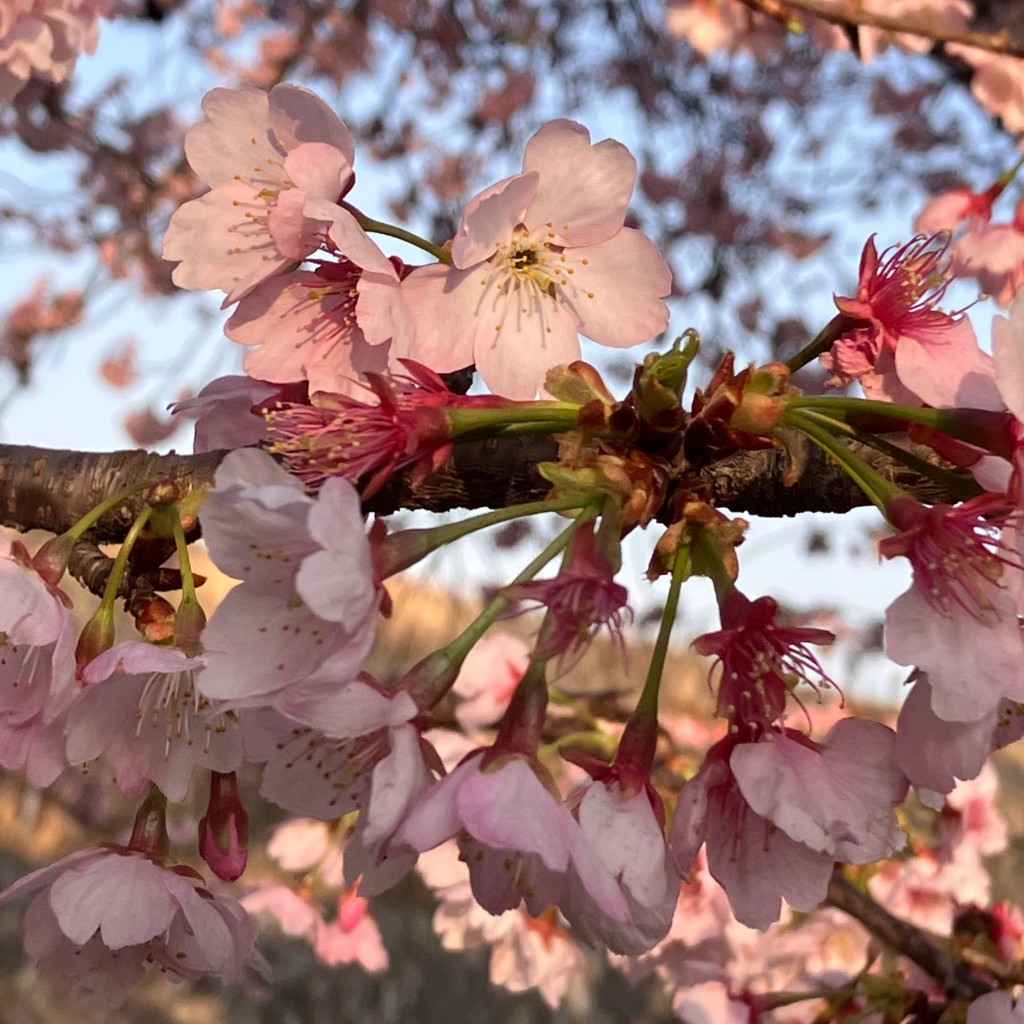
(574, 830)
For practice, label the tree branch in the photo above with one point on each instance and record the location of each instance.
(904, 938)
(996, 42)
(50, 490)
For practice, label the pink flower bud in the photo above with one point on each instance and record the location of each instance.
(224, 829)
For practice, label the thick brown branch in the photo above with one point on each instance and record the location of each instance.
(50, 490)
(995, 42)
(904, 938)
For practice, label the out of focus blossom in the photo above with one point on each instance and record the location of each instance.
(43, 38)
(488, 679)
(998, 83)
(526, 952)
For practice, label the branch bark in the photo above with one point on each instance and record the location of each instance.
(904, 938)
(995, 42)
(50, 490)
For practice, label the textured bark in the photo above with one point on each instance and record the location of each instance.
(50, 490)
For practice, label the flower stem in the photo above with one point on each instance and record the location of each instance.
(405, 548)
(381, 227)
(647, 705)
(879, 490)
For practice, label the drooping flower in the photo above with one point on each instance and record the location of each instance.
(37, 668)
(142, 713)
(308, 593)
(957, 622)
(892, 338)
(934, 753)
(263, 155)
(581, 599)
(761, 663)
(100, 918)
(537, 258)
(769, 835)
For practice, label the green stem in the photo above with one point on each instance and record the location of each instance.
(647, 705)
(879, 490)
(381, 227)
(95, 514)
(458, 648)
(823, 340)
(958, 487)
(188, 583)
(553, 416)
(980, 427)
(407, 547)
(116, 576)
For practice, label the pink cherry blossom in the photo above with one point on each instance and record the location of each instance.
(142, 713)
(263, 154)
(302, 844)
(488, 678)
(624, 829)
(769, 835)
(537, 258)
(580, 601)
(998, 84)
(43, 38)
(308, 592)
(37, 668)
(100, 918)
(225, 414)
(996, 1008)
(366, 440)
(304, 326)
(352, 937)
(933, 752)
(896, 343)
(517, 838)
(760, 662)
(958, 620)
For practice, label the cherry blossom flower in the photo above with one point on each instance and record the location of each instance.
(142, 713)
(934, 753)
(760, 662)
(225, 413)
(43, 39)
(338, 435)
(308, 592)
(488, 678)
(896, 343)
(517, 838)
(537, 258)
(998, 84)
(581, 600)
(100, 918)
(996, 1008)
(771, 837)
(958, 620)
(304, 326)
(263, 154)
(37, 668)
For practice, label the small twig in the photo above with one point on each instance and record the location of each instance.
(995, 42)
(904, 938)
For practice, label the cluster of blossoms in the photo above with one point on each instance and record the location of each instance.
(599, 838)
(42, 39)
